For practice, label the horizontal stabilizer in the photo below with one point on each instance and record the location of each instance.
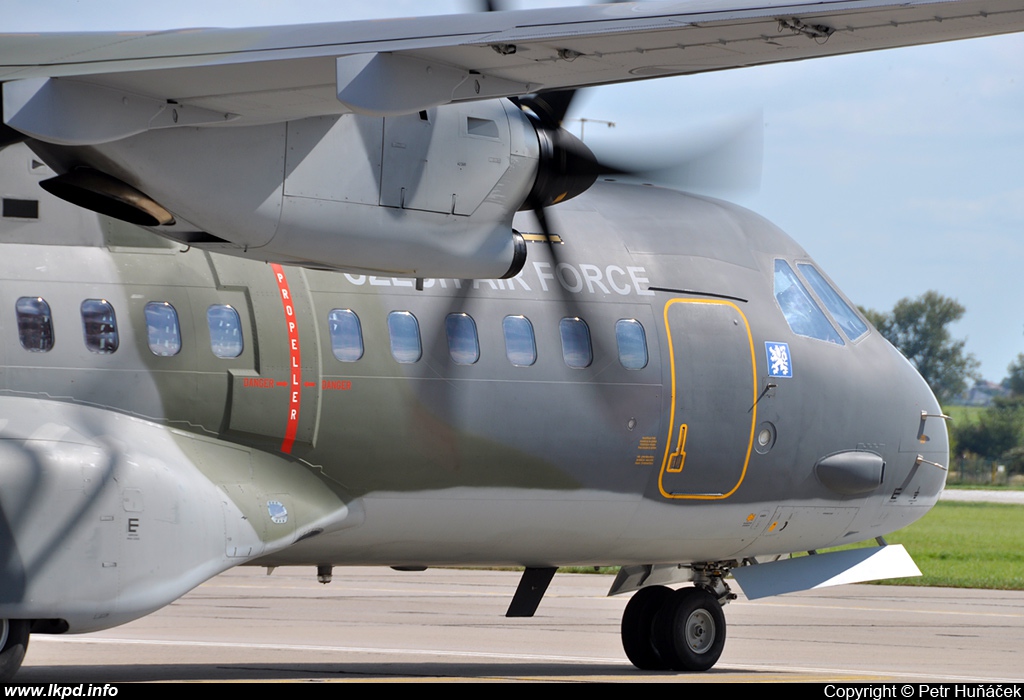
(823, 570)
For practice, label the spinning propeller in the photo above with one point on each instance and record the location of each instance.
(726, 159)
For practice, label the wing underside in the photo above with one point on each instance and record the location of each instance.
(400, 66)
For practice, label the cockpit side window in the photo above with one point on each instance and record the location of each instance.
(802, 314)
(100, 326)
(35, 325)
(846, 317)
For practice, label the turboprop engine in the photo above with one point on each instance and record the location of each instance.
(428, 194)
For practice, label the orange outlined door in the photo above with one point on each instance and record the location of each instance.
(713, 370)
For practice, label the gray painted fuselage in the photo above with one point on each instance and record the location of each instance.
(433, 462)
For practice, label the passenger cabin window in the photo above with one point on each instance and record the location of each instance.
(802, 314)
(576, 348)
(35, 325)
(100, 326)
(346, 335)
(845, 316)
(404, 330)
(162, 329)
(632, 342)
(225, 331)
(463, 343)
(520, 343)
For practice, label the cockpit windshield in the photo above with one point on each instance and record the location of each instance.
(802, 314)
(846, 317)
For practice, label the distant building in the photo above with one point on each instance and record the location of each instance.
(981, 394)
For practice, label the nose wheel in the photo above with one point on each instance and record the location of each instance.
(682, 630)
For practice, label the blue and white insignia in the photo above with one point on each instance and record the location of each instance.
(779, 362)
(278, 513)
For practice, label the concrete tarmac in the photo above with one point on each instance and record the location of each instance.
(383, 625)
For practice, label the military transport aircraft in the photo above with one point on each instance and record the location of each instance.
(395, 315)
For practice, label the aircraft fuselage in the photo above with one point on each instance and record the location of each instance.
(703, 453)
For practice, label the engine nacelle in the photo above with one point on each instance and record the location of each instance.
(430, 194)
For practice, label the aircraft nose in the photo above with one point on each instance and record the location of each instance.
(883, 433)
(918, 458)
(894, 442)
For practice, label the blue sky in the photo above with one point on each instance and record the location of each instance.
(898, 171)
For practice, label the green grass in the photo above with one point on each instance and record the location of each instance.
(588, 570)
(966, 545)
(960, 414)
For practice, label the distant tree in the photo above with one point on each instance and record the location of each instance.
(1013, 459)
(919, 329)
(1015, 378)
(996, 431)
(877, 319)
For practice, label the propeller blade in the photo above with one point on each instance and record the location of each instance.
(725, 160)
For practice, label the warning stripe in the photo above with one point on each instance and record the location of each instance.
(295, 388)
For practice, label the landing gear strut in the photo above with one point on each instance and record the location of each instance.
(13, 643)
(682, 630)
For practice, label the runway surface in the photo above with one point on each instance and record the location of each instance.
(380, 625)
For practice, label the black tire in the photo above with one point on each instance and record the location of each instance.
(638, 627)
(689, 631)
(14, 647)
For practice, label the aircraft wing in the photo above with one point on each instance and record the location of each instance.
(400, 66)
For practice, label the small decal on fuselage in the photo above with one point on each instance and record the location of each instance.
(295, 390)
(780, 364)
(257, 383)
